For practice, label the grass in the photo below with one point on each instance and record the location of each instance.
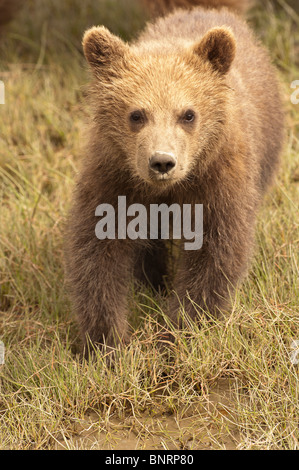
(224, 385)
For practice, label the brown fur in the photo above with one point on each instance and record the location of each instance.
(8, 10)
(162, 7)
(205, 60)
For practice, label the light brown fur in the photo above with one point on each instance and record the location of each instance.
(202, 62)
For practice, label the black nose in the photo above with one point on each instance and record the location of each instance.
(162, 162)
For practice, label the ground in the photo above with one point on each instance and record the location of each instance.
(225, 385)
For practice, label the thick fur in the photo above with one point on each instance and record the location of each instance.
(208, 60)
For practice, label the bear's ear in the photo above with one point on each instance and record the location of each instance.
(103, 49)
(218, 47)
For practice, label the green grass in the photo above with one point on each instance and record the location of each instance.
(224, 385)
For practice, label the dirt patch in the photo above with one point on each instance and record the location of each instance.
(208, 424)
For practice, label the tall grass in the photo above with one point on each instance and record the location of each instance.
(228, 384)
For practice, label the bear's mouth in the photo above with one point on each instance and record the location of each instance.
(162, 179)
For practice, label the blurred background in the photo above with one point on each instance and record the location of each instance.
(56, 25)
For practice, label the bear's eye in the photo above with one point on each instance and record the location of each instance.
(188, 116)
(136, 117)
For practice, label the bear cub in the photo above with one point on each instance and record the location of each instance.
(190, 113)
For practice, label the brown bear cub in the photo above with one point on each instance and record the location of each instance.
(188, 114)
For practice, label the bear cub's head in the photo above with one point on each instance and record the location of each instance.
(162, 107)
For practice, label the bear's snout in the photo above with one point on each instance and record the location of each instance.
(162, 162)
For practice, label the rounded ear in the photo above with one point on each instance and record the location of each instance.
(102, 48)
(218, 47)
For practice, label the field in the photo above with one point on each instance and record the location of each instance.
(226, 385)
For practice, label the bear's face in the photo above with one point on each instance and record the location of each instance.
(163, 110)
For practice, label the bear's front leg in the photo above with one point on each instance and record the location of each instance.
(99, 273)
(206, 278)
